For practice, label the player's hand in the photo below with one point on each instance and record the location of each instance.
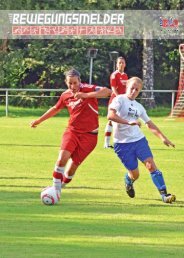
(135, 123)
(34, 123)
(168, 143)
(80, 95)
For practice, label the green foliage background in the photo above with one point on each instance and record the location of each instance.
(41, 64)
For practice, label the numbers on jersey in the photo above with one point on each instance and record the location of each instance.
(132, 112)
(74, 103)
(123, 82)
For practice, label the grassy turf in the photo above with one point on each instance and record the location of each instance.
(95, 217)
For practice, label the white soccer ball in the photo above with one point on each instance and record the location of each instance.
(50, 195)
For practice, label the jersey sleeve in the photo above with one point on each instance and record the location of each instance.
(89, 88)
(113, 80)
(144, 117)
(126, 76)
(116, 104)
(60, 104)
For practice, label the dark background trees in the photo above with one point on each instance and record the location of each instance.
(30, 63)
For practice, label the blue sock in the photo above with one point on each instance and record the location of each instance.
(128, 180)
(158, 180)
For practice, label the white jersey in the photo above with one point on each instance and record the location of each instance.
(130, 110)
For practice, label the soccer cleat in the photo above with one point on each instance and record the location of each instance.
(108, 146)
(168, 198)
(63, 185)
(130, 190)
(58, 194)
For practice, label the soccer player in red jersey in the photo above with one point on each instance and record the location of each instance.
(118, 81)
(80, 137)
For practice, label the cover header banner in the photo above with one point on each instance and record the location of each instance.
(106, 24)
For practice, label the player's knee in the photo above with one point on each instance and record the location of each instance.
(135, 177)
(150, 165)
(63, 158)
(61, 162)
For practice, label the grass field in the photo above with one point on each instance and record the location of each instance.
(95, 217)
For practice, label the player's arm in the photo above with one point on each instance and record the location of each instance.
(112, 115)
(114, 90)
(113, 84)
(154, 129)
(100, 92)
(49, 113)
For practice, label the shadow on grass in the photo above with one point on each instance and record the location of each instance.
(28, 145)
(159, 112)
(23, 186)
(28, 112)
(77, 201)
(177, 204)
(42, 186)
(24, 178)
(174, 204)
(157, 149)
(57, 146)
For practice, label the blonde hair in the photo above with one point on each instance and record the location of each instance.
(136, 79)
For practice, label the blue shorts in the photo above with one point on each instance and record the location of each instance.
(129, 153)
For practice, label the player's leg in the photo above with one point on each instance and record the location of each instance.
(108, 132)
(126, 153)
(145, 155)
(68, 146)
(158, 180)
(86, 144)
(59, 168)
(130, 178)
(156, 175)
(69, 172)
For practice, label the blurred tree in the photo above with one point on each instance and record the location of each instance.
(41, 63)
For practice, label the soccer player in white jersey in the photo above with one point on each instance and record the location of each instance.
(130, 144)
(118, 81)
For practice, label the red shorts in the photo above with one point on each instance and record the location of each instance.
(80, 145)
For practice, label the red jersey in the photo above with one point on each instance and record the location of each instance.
(83, 112)
(118, 81)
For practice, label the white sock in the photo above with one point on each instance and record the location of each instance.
(108, 132)
(57, 177)
(107, 141)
